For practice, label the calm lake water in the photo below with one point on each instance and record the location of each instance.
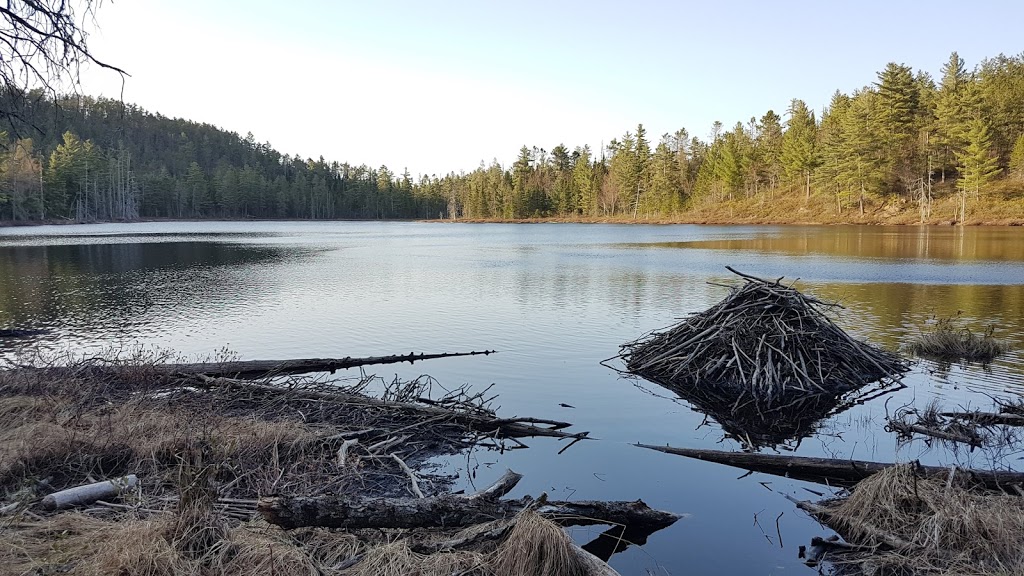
(555, 300)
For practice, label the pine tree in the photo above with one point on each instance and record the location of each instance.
(730, 166)
(799, 157)
(898, 116)
(978, 163)
(862, 168)
(769, 148)
(952, 111)
(583, 182)
(663, 195)
(831, 141)
(1017, 158)
(520, 179)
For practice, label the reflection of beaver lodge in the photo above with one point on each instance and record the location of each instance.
(766, 360)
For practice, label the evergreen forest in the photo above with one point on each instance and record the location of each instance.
(904, 143)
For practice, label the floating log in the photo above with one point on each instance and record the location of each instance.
(450, 510)
(256, 369)
(89, 493)
(830, 471)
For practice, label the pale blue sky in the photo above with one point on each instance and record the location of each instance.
(440, 86)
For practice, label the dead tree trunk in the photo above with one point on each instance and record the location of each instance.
(445, 511)
(450, 510)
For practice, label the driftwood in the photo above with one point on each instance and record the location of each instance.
(89, 493)
(831, 471)
(907, 430)
(449, 510)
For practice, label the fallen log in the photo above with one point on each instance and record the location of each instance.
(445, 511)
(829, 471)
(450, 510)
(89, 493)
(256, 369)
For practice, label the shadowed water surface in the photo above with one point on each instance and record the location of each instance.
(555, 300)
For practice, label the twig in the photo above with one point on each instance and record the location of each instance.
(412, 476)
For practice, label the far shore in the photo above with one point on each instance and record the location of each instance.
(900, 219)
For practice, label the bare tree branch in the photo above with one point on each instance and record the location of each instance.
(43, 45)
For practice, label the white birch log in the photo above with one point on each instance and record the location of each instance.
(89, 493)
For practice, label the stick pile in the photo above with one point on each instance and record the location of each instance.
(766, 343)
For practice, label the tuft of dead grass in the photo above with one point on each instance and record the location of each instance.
(537, 547)
(949, 342)
(934, 526)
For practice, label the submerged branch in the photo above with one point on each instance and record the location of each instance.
(831, 471)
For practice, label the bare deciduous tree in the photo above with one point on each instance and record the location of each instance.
(43, 45)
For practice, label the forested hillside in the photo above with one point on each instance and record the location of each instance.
(905, 142)
(90, 159)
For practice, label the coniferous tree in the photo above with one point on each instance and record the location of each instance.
(979, 165)
(1017, 158)
(769, 146)
(799, 157)
(952, 111)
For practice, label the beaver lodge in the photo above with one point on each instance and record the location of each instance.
(138, 466)
(765, 347)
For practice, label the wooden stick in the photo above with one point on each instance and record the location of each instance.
(343, 451)
(412, 476)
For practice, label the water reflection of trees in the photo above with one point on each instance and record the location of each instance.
(886, 313)
(48, 286)
(888, 243)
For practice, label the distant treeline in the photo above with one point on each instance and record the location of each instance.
(904, 138)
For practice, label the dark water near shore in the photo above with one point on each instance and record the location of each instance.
(555, 300)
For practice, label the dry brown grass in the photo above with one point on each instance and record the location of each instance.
(950, 342)
(536, 547)
(203, 456)
(937, 526)
(80, 544)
